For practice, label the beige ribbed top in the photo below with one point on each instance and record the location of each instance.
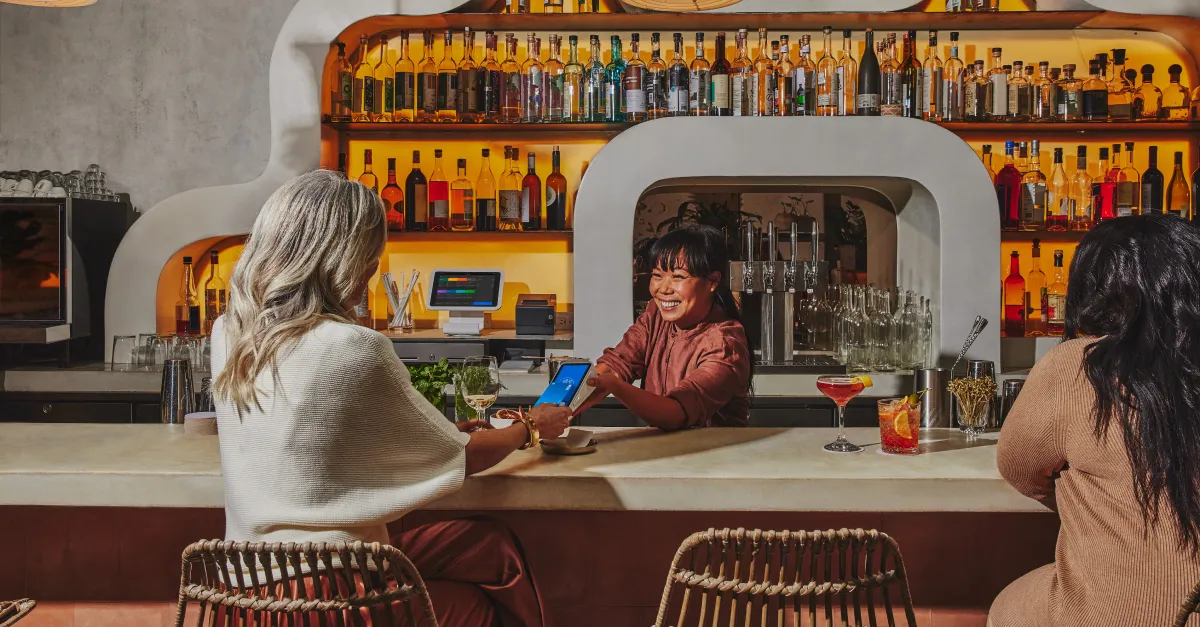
(343, 443)
(1108, 570)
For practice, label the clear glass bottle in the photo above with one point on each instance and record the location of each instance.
(533, 80)
(1081, 193)
(926, 355)
(635, 83)
(1177, 100)
(772, 96)
(954, 77)
(364, 85)
(572, 91)
(1129, 186)
(1035, 285)
(553, 84)
(827, 77)
(1147, 101)
(1120, 90)
(678, 81)
(614, 86)
(1179, 199)
(1069, 105)
(785, 79)
(1033, 193)
(427, 82)
(341, 87)
(700, 84)
(447, 88)
(510, 192)
(932, 72)
(656, 81)
(468, 81)
(462, 201)
(1094, 106)
(1043, 94)
(847, 75)
(215, 292)
(1055, 307)
(882, 332)
(187, 308)
(493, 81)
(594, 101)
(742, 80)
(406, 86)
(439, 196)
(997, 92)
(975, 101)
(1058, 196)
(485, 195)
(721, 92)
(510, 85)
(1020, 95)
(891, 101)
(805, 84)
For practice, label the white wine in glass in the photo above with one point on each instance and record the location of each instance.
(478, 381)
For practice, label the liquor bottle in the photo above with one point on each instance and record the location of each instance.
(1104, 191)
(1033, 193)
(405, 98)
(385, 85)
(869, 78)
(1058, 196)
(215, 294)
(806, 81)
(987, 161)
(635, 87)
(890, 81)
(997, 93)
(1008, 191)
(910, 77)
(678, 82)
(975, 101)
(722, 94)
(766, 86)
(1035, 323)
(485, 195)
(342, 165)
(1020, 95)
(556, 196)
(1081, 194)
(1044, 94)
(368, 177)
(187, 309)
(447, 83)
(1129, 186)
(364, 85)
(827, 77)
(932, 72)
(552, 6)
(553, 105)
(593, 85)
(510, 192)
(493, 81)
(416, 197)
(439, 196)
(1055, 307)
(700, 83)
(1095, 95)
(510, 82)
(1014, 299)
(785, 78)
(1147, 101)
(1152, 185)
(953, 82)
(846, 92)
(1196, 195)
(614, 83)
(1069, 105)
(427, 80)
(1176, 101)
(468, 78)
(1196, 103)
(531, 197)
(771, 97)
(656, 81)
(532, 81)
(462, 201)
(341, 87)
(1120, 90)
(1023, 157)
(393, 199)
(1179, 200)
(572, 92)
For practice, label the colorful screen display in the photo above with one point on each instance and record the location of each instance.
(562, 389)
(465, 289)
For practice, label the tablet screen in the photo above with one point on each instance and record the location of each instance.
(562, 389)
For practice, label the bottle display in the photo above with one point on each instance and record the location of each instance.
(1081, 193)
(997, 94)
(556, 195)
(393, 199)
(846, 90)
(910, 77)
(785, 79)
(462, 201)
(1044, 94)
(953, 84)
(439, 196)
(531, 196)
(594, 100)
(1095, 94)
(532, 79)
(1129, 186)
(447, 82)
(1104, 191)
(678, 81)
(471, 86)
(614, 84)
(553, 83)
(656, 81)
(891, 84)
(510, 82)
(1120, 90)
(485, 196)
(215, 292)
(187, 308)
(572, 87)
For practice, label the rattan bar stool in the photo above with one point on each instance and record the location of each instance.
(310, 583)
(760, 578)
(11, 612)
(1191, 605)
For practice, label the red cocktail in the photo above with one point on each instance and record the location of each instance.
(840, 390)
(900, 425)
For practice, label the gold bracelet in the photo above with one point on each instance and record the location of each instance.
(534, 436)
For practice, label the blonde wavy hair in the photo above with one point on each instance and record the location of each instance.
(312, 243)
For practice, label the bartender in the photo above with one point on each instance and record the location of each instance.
(689, 348)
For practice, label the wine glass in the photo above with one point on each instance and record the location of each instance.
(478, 382)
(840, 389)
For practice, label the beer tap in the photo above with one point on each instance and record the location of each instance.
(789, 270)
(769, 267)
(748, 264)
(810, 273)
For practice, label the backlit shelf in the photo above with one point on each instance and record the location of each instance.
(497, 236)
(1044, 236)
(1069, 129)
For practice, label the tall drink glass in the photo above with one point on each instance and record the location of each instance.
(900, 426)
(840, 390)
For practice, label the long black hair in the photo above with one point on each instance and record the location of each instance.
(701, 251)
(1135, 284)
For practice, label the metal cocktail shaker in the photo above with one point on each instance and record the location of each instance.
(935, 406)
(177, 399)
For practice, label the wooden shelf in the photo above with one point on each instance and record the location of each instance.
(478, 235)
(1058, 237)
(1069, 129)
(452, 131)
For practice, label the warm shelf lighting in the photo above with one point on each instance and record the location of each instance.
(58, 4)
(676, 6)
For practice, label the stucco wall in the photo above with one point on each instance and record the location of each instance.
(165, 96)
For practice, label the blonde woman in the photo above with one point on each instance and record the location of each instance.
(323, 437)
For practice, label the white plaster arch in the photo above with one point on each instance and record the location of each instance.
(948, 229)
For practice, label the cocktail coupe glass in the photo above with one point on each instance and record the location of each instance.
(840, 389)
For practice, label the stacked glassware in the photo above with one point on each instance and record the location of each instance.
(92, 185)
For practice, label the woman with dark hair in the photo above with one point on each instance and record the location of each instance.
(1107, 433)
(689, 348)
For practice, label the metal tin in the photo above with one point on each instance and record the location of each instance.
(176, 399)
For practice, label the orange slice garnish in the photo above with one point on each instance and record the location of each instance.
(900, 424)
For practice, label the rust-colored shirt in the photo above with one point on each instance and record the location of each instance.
(706, 369)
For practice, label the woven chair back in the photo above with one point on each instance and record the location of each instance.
(776, 578)
(11, 612)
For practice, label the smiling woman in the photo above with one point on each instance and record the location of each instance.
(689, 348)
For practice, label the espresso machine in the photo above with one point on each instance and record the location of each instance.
(768, 288)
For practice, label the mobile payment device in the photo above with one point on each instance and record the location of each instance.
(569, 387)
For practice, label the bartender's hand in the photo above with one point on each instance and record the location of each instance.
(604, 382)
(550, 420)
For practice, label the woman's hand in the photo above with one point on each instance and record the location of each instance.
(604, 382)
(550, 420)
(472, 425)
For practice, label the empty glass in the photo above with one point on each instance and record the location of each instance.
(124, 352)
(187, 347)
(157, 350)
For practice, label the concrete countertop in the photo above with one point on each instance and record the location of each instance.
(633, 469)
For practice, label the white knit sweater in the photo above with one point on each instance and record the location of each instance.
(343, 443)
